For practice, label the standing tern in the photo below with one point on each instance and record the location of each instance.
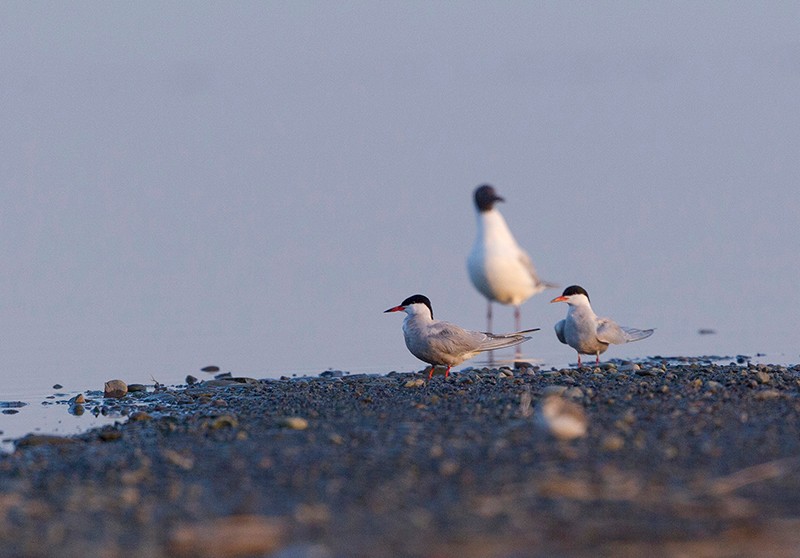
(442, 343)
(585, 332)
(498, 267)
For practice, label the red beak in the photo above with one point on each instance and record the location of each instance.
(395, 309)
(560, 299)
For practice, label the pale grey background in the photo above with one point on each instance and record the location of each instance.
(252, 184)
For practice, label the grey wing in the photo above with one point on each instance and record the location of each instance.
(634, 334)
(452, 339)
(525, 259)
(560, 331)
(608, 331)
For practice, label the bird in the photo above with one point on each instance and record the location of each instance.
(442, 343)
(498, 267)
(585, 332)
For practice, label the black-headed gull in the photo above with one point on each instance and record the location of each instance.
(498, 267)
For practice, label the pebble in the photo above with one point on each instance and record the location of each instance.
(415, 383)
(613, 442)
(115, 389)
(294, 423)
(562, 418)
(767, 394)
(229, 537)
(43, 439)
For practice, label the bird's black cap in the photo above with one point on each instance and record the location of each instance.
(485, 197)
(418, 299)
(575, 289)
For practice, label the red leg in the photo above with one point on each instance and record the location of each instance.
(579, 360)
(598, 359)
(447, 372)
(430, 374)
(518, 326)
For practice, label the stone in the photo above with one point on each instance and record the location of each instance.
(294, 423)
(115, 389)
(562, 418)
(229, 537)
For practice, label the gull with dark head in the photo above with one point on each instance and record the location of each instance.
(442, 343)
(498, 267)
(585, 332)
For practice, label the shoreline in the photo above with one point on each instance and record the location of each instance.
(694, 458)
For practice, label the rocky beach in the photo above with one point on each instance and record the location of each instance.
(665, 457)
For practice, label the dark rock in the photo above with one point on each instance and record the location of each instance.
(115, 389)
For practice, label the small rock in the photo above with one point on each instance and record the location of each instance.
(613, 442)
(417, 382)
(763, 377)
(43, 439)
(564, 419)
(191, 380)
(58, 386)
(140, 416)
(574, 393)
(136, 387)
(223, 421)
(767, 394)
(210, 369)
(554, 390)
(115, 389)
(76, 410)
(294, 423)
(229, 537)
(629, 367)
(109, 435)
(79, 399)
(12, 404)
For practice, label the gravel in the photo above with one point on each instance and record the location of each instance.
(688, 459)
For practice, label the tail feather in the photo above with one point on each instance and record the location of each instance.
(502, 340)
(633, 334)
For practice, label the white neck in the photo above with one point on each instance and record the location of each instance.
(492, 227)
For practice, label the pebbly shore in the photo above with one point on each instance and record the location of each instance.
(655, 458)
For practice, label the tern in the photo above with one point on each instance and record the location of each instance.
(498, 267)
(585, 332)
(442, 343)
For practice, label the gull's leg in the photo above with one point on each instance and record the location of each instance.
(489, 327)
(518, 327)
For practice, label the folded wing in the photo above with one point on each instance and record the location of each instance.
(608, 331)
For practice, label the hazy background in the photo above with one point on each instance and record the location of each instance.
(252, 184)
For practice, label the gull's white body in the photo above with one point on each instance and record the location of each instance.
(498, 267)
(589, 334)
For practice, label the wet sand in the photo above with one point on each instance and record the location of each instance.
(676, 460)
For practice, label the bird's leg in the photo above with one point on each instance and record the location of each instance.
(518, 326)
(430, 374)
(579, 360)
(489, 328)
(598, 359)
(447, 372)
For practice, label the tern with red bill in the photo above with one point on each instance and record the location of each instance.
(498, 267)
(442, 343)
(585, 332)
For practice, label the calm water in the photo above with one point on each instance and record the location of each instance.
(173, 195)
